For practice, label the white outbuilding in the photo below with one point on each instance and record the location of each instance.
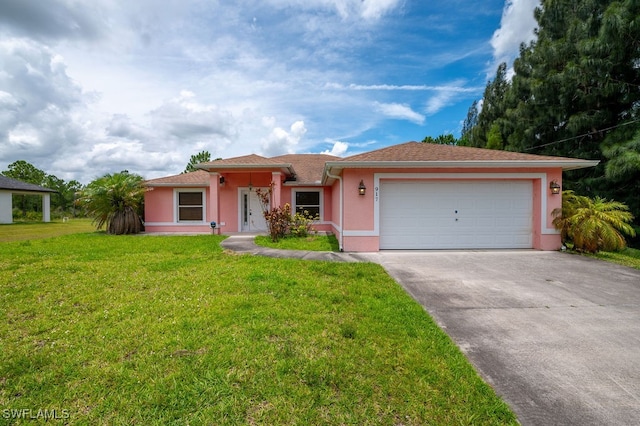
(9, 187)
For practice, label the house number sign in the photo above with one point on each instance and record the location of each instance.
(376, 194)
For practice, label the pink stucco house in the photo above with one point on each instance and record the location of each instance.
(408, 196)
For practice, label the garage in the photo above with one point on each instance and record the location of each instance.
(456, 214)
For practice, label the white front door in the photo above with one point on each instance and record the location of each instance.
(251, 214)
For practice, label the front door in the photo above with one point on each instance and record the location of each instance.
(251, 217)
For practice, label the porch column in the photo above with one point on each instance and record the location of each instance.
(276, 178)
(46, 207)
(214, 186)
(6, 215)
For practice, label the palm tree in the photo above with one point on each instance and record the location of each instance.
(593, 224)
(114, 200)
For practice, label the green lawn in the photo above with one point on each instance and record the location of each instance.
(36, 230)
(171, 330)
(627, 257)
(319, 242)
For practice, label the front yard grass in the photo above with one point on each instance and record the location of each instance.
(171, 330)
(627, 257)
(20, 231)
(320, 242)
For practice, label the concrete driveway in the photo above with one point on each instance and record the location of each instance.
(557, 335)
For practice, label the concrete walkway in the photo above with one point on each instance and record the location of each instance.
(245, 244)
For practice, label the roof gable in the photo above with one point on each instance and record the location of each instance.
(308, 168)
(299, 169)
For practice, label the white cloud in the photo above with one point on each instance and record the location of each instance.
(447, 95)
(281, 141)
(437, 102)
(88, 89)
(406, 87)
(338, 149)
(185, 118)
(53, 18)
(37, 99)
(516, 27)
(374, 9)
(399, 111)
(367, 9)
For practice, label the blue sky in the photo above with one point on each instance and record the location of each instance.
(88, 88)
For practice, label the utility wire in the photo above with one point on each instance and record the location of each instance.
(583, 135)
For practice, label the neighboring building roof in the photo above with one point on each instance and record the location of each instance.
(197, 178)
(420, 154)
(19, 186)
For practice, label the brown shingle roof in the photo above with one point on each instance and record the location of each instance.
(245, 160)
(419, 151)
(197, 178)
(308, 167)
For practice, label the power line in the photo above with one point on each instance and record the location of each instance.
(583, 135)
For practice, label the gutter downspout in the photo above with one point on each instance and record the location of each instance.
(339, 178)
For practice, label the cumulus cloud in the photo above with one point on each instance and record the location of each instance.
(37, 98)
(53, 18)
(88, 88)
(122, 126)
(185, 118)
(281, 141)
(399, 112)
(338, 149)
(516, 27)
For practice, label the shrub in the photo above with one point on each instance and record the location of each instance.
(280, 221)
(302, 224)
(593, 224)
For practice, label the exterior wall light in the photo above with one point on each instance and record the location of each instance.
(221, 180)
(555, 187)
(361, 188)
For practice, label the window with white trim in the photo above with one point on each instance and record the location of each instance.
(190, 206)
(309, 203)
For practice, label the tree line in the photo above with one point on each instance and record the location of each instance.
(574, 91)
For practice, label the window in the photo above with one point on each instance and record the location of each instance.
(190, 206)
(308, 203)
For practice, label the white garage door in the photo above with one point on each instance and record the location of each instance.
(456, 214)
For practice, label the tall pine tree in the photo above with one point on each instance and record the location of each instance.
(576, 92)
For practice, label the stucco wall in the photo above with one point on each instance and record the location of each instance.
(158, 205)
(357, 221)
(361, 225)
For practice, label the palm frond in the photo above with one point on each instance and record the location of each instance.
(593, 224)
(113, 201)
